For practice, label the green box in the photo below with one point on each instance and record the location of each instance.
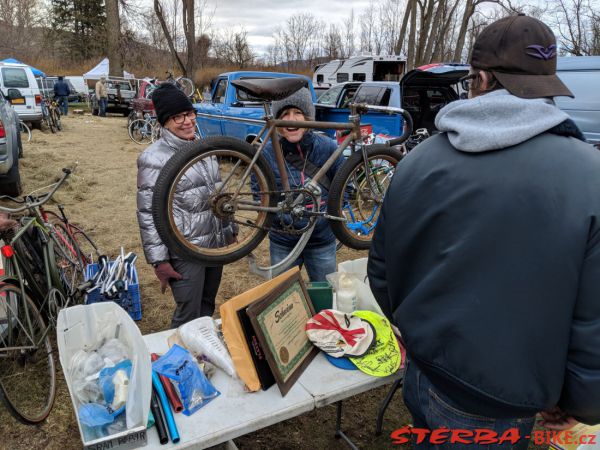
(321, 295)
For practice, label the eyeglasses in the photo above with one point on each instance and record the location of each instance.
(467, 81)
(180, 118)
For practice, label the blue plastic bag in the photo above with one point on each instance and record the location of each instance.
(194, 388)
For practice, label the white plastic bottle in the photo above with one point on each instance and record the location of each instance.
(346, 294)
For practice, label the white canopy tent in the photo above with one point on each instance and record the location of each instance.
(102, 70)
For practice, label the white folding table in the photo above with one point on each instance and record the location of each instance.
(237, 412)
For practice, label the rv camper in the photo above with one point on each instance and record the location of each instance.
(360, 68)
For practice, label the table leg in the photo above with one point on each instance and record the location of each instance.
(338, 428)
(386, 402)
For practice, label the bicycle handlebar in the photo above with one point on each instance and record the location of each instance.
(38, 201)
(362, 108)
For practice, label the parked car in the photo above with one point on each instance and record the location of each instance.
(10, 149)
(46, 86)
(581, 74)
(18, 84)
(120, 95)
(422, 92)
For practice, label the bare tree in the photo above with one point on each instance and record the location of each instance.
(348, 36)
(577, 25)
(113, 37)
(232, 47)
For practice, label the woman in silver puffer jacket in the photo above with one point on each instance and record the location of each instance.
(194, 285)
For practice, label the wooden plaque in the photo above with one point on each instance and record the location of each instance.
(279, 319)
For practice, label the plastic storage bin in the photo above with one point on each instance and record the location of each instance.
(129, 300)
(321, 295)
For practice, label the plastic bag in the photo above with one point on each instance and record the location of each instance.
(201, 338)
(194, 388)
(113, 350)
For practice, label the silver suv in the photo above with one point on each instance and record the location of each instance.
(10, 150)
(120, 95)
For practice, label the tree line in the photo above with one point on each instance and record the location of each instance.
(180, 34)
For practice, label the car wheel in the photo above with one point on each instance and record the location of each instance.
(11, 185)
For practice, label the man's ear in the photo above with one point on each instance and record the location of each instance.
(485, 80)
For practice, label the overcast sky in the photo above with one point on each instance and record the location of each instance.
(261, 17)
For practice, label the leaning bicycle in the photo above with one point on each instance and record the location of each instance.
(184, 84)
(241, 186)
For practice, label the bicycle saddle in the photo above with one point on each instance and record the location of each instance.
(271, 88)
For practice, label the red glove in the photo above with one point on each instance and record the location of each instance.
(164, 272)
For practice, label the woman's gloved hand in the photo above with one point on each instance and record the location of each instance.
(164, 272)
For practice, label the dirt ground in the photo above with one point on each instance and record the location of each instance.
(101, 197)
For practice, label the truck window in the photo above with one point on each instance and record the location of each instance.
(359, 77)
(14, 77)
(219, 95)
(342, 77)
(330, 96)
(373, 95)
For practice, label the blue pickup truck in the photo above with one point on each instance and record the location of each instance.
(422, 92)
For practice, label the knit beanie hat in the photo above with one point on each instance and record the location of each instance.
(300, 99)
(169, 101)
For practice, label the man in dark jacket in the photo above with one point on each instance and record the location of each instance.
(304, 152)
(61, 93)
(487, 250)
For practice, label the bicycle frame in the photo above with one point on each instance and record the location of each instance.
(268, 131)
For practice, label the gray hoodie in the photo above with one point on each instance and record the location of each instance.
(496, 120)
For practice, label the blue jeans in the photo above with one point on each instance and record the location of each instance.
(433, 410)
(102, 102)
(319, 261)
(63, 102)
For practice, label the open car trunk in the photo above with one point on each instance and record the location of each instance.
(428, 89)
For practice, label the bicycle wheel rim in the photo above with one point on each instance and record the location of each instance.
(140, 131)
(88, 249)
(231, 165)
(25, 130)
(68, 262)
(27, 368)
(186, 85)
(363, 196)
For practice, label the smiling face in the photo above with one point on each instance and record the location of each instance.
(182, 125)
(292, 135)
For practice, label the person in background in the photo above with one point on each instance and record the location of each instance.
(194, 285)
(61, 93)
(486, 254)
(304, 152)
(102, 96)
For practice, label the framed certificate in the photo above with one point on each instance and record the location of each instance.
(279, 319)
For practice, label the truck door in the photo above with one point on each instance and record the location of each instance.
(382, 123)
(242, 118)
(210, 114)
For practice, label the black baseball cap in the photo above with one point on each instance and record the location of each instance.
(521, 53)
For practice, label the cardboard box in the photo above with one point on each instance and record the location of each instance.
(83, 327)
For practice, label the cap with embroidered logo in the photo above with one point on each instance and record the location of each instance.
(520, 51)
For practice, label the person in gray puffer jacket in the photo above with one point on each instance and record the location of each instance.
(194, 285)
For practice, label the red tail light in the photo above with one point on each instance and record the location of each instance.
(7, 251)
(38, 100)
(2, 130)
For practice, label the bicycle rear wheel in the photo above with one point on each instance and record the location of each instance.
(25, 130)
(88, 249)
(211, 171)
(140, 131)
(68, 262)
(357, 193)
(57, 122)
(27, 369)
(185, 85)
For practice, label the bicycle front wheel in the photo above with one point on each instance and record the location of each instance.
(233, 213)
(27, 369)
(357, 193)
(140, 131)
(185, 85)
(56, 119)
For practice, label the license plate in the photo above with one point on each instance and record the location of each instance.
(17, 101)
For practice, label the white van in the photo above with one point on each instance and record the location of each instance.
(18, 85)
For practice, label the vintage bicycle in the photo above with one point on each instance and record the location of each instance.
(241, 189)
